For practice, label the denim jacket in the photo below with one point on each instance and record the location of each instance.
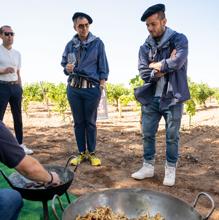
(91, 60)
(175, 69)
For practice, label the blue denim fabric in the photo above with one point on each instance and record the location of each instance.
(176, 69)
(151, 116)
(10, 204)
(12, 94)
(84, 103)
(93, 61)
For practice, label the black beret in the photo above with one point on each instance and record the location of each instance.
(152, 10)
(81, 14)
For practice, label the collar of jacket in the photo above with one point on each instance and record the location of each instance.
(77, 42)
(166, 37)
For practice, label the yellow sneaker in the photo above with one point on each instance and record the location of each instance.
(94, 160)
(80, 158)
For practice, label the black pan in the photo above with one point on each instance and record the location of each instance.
(41, 193)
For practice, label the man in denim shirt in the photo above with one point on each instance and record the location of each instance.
(85, 62)
(163, 63)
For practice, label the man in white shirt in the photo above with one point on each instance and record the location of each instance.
(10, 82)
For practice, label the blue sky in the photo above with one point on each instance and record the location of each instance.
(43, 27)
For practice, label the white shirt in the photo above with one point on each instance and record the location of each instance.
(9, 58)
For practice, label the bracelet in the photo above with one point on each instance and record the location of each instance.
(50, 182)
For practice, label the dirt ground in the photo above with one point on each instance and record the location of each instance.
(119, 145)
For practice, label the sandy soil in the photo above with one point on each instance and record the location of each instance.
(119, 145)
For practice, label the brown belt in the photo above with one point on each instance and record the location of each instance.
(81, 83)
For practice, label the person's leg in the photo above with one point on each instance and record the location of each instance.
(4, 99)
(150, 121)
(76, 104)
(172, 118)
(91, 102)
(10, 204)
(15, 103)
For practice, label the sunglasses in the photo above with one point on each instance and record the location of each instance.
(8, 33)
(82, 26)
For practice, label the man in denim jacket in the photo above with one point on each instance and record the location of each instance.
(85, 62)
(163, 63)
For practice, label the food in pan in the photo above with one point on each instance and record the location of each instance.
(106, 213)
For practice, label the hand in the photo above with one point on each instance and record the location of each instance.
(173, 54)
(9, 70)
(19, 81)
(158, 74)
(155, 65)
(69, 67)
(102, 84)
(56, 180)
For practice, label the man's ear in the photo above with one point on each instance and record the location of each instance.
(74, 26)
(164, 21)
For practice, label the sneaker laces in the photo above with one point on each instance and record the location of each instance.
(92, 155)
(82, 155)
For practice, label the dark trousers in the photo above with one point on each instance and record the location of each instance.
(12, 94)
(84, 103)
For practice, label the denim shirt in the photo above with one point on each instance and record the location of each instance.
(91, 60)
(175, 69)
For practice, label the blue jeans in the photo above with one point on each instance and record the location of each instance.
(10, 204)
(151, 116)
(12, 94)
(84, 103)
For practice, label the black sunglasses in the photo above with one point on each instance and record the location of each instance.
(82, 26)
(8, 33)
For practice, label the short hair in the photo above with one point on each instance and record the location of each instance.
(161, 15)
(2, 27)
(78, 18)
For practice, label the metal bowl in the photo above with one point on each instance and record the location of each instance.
(136, 202)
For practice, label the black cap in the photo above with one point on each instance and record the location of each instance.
(152, 10)
(81, 14)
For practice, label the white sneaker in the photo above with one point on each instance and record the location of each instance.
(146, 171)
(170, 176)
(26, 150)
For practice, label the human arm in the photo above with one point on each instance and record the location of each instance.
(19, 78)
(178, 57)
(103, 68)
(158, 65)
(102, 83)
(13, 156)
(32, 169)
(146, 72)
(7, 70)
(68, 67)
